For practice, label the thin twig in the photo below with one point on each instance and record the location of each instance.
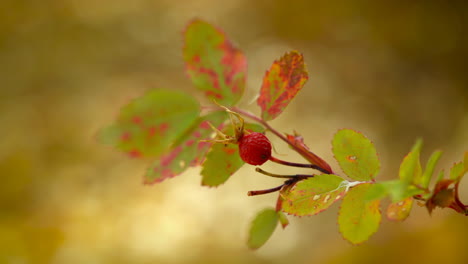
(259, 192)
(298, 176)
(300, 165)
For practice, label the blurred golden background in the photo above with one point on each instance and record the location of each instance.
(395, 70)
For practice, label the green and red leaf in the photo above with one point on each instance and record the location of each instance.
(213, 64)
(297, 142)
(446, 192)
(446, 196)
(281, 83)
(262, 228)
(149, 125)
(356, 155)
(399, 211)
(190, 152)
(313, 195)
(222, 161)
(358, 218)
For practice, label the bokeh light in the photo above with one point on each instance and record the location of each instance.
(395, 70)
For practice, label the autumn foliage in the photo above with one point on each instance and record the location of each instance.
(172, 128)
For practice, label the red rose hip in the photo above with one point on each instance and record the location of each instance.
(254, 148)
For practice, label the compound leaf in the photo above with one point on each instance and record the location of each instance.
(313, 195)
(358, 219)
(262, 228)
(281, 83)
(214, 65)
(356, 155)
(190, 152)
(149, 125)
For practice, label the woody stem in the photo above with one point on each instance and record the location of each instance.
(278, 134)
(259, 192)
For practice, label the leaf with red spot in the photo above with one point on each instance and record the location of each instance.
(313, 195)
(223, 160)
(188, 153)
(356, 155)
(149, 125)
(213, 64)
(281, 83)
(359, 218)
(399, 211)
(297, 142)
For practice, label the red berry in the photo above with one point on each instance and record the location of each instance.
(254, 148)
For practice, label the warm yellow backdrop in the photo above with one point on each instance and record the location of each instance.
(395, 70)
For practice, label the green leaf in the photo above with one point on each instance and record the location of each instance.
(190, 152)
(440, 177)
(358, 219)
(313, 195)
(399, 190)
(253, 127)
(281, 83)
(283, 219)
(356, 155)
(410, 167)
(399, 211)
(457, 171)
(214, 65)
(149, 125)
(223, 160)
(262, 228)
(377, 191)
(429, 171)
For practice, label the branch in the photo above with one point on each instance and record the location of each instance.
(278, 134)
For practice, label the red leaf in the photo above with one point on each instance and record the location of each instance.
(281, 83)
(187, 153)
(298, 142)
(149, 125)
(443, 196)
(213, 63)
